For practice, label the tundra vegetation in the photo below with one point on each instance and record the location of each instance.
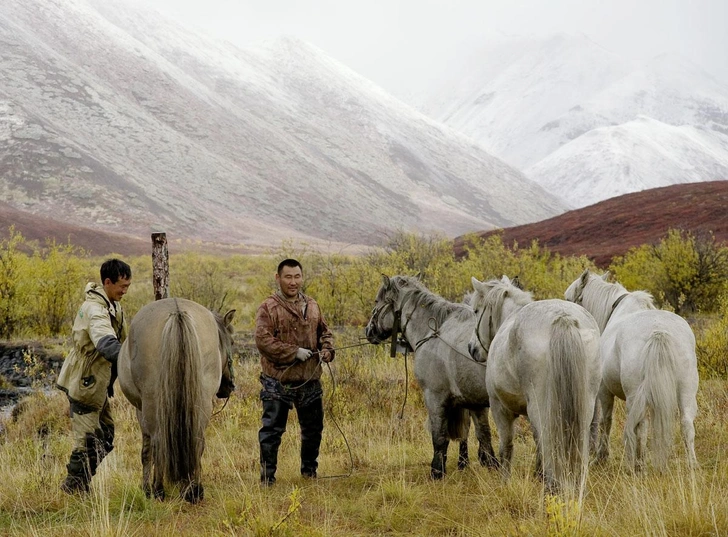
(376, 451)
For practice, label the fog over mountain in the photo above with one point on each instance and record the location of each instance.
(585, 123)
(112, 116)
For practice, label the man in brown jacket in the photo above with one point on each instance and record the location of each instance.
(293, 339)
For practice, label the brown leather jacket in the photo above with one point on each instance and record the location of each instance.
(281, 328)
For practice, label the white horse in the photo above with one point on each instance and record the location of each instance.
(648, 360)
(452, 383)
(543, 362)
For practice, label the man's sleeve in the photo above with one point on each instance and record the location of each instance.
(102, 334)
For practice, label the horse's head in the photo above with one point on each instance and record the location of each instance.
(493, 302)
(386, 307)
(575, 292)
(225, 334)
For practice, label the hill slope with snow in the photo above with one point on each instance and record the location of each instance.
(543, 105)
(112, 116)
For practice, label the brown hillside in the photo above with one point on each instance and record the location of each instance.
(611, 227)
(42, 229)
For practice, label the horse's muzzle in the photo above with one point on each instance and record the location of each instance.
(373, 337)
(476, 352)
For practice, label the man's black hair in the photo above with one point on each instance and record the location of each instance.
(115, 269)
(289, 263)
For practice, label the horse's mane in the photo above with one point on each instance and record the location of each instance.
(411, 290)
(600, 296)
(496, 295)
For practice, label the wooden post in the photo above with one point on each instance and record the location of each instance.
(160, 265)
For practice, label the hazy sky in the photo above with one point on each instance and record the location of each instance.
(400, 44)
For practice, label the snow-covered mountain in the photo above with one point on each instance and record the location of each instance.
(634, 156)
(113, 116)
(547, 105)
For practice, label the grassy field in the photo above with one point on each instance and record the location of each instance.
(383, 488)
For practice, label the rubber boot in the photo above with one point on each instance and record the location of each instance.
(275, 416)
(311, 420)
(79, 474)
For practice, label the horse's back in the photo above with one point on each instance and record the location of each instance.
(519, 356)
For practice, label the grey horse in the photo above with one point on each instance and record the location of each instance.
(452, 383)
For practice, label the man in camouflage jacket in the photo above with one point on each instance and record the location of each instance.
(293, 339)
(88, 372)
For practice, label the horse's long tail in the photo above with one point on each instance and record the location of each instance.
(178, 444)
(657, 394)
(565, 434)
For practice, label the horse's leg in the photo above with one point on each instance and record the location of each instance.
(605, 401)
(157, 475)
(633, 429)
(440, 443)
(538, 471)
(504, 423)
(146, 456)
(146, 464)
(194, 492)
(437, 416)
(463, 458)
(594, 429)
(641, 433)
(486, 456)
(688, 411)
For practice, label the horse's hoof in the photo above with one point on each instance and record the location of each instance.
(437, 474)
(489, 461)
(463, 464)
(194, 493)
(159, 494)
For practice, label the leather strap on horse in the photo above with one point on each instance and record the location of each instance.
(614, 307)
(395, 333)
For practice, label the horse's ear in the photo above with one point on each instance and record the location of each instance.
(418, 276)
(505, 279)
(477, 284)
(228, 319)
(584, 277)
(606, 275)
(385, 280)
(517, 283)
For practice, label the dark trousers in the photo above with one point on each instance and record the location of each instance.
(310, 411)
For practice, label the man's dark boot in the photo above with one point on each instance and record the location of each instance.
(275, 416)
(79, 474)
(311, 420)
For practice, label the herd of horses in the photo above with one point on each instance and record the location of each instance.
(561, 363)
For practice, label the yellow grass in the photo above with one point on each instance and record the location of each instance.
(388, 491)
